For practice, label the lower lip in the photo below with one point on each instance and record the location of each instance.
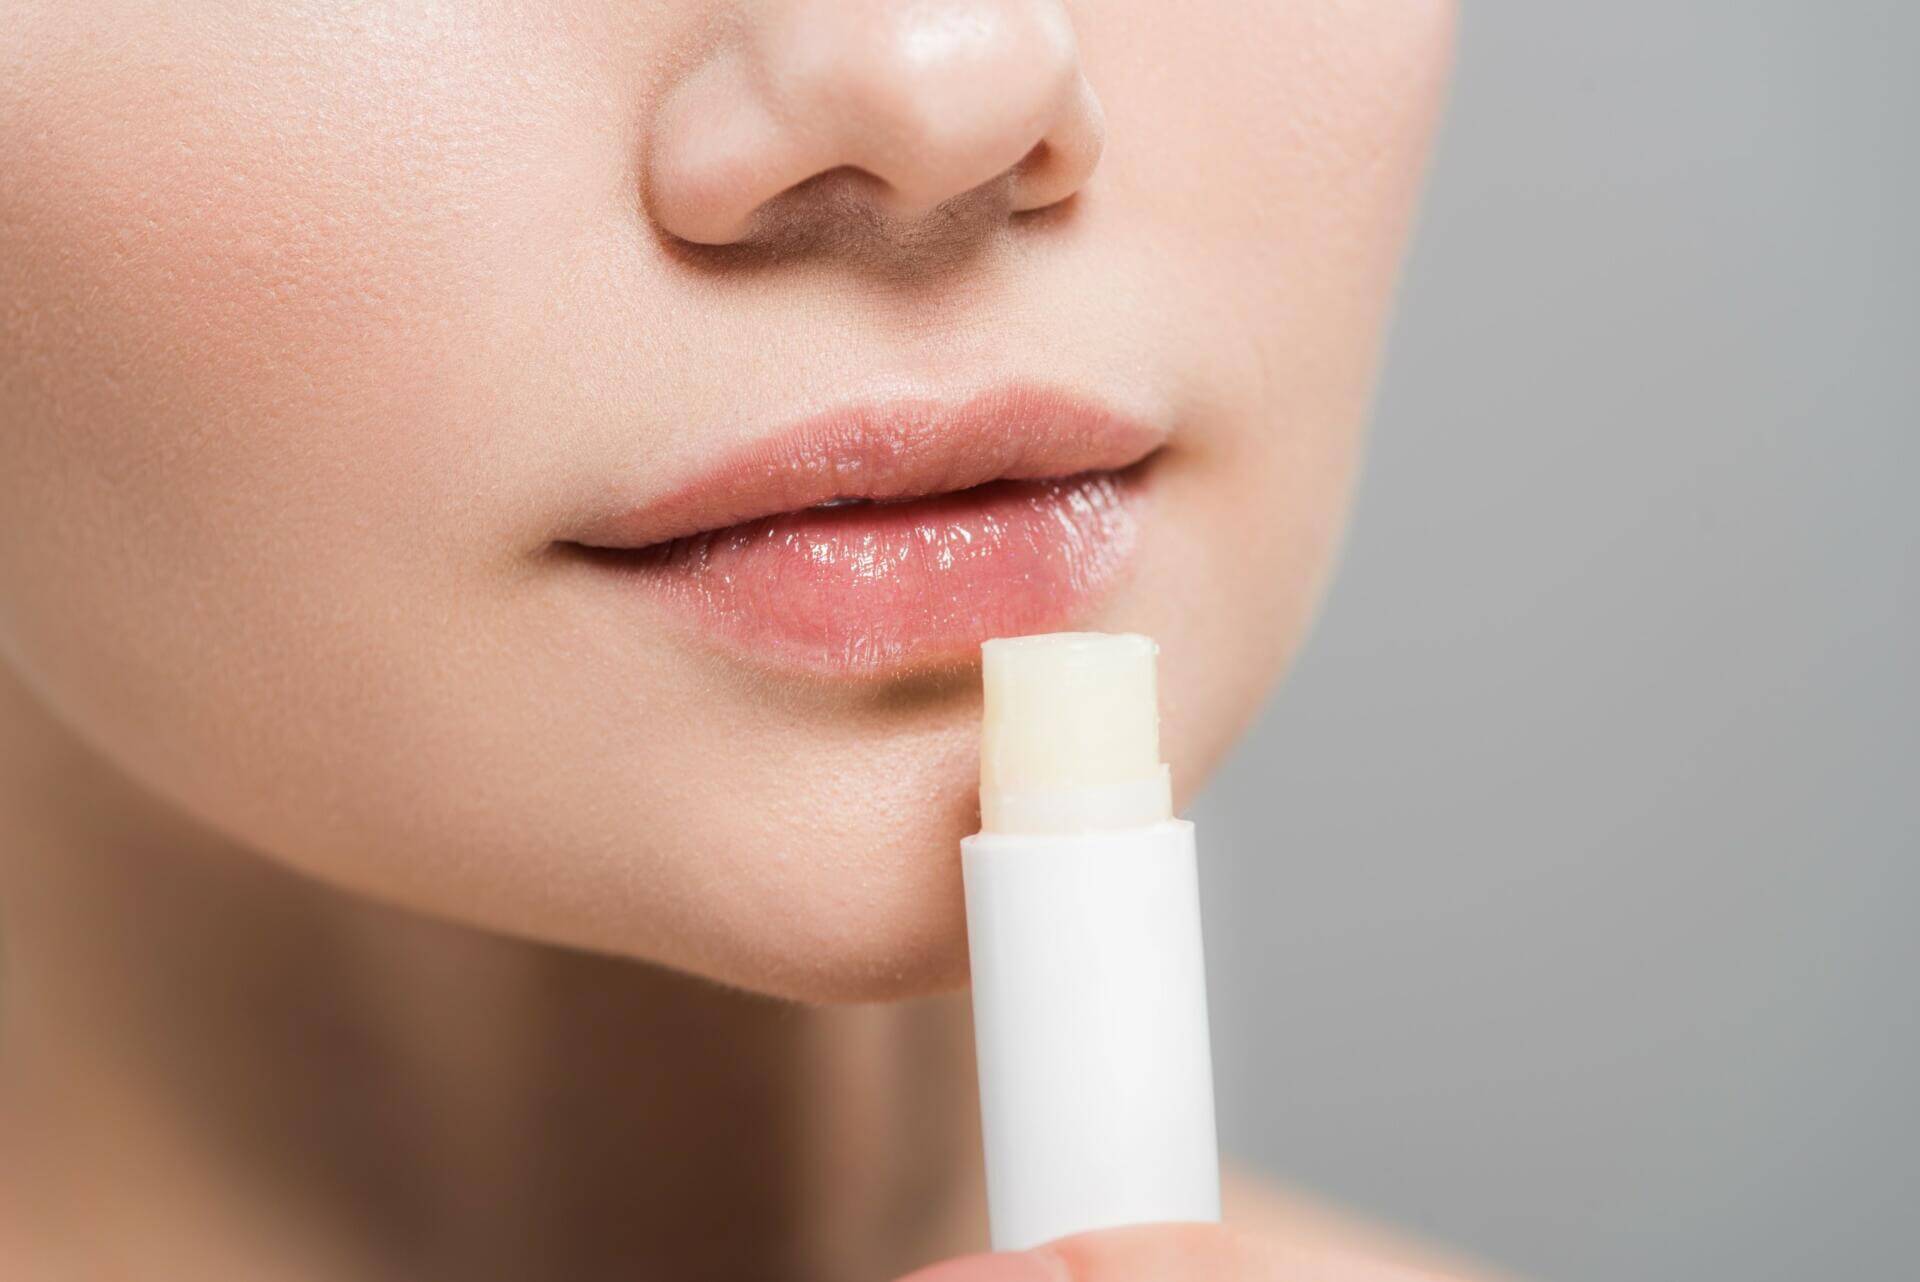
(872, 588)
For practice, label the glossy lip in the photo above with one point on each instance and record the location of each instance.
(888, 536)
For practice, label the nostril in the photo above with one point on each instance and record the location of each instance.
(897, 106)
(1060, 164)
(1038, 157)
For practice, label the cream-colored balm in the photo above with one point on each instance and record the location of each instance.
(1070, 734)
(1083, 926)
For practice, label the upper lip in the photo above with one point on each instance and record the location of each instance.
(890, 450)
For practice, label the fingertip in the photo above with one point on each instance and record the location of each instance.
(1156, 1251)
(997, 1266)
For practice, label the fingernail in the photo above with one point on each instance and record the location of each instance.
(1000, 1266)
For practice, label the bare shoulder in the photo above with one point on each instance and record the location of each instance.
(1312, 1235)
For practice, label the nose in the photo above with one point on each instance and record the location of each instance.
(926, 98)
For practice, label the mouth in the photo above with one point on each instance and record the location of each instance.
(885, 538)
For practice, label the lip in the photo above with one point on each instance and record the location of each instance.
(882, 537)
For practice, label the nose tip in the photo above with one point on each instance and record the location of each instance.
(929, 100)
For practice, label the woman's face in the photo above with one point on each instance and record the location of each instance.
(389, 393)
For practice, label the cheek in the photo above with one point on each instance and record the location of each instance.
(1264, 164)
(248, 265)
(256, 288)
(260, 298)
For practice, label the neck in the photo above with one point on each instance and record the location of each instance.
(211, 1064)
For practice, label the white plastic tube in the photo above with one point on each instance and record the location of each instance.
(1083, 924)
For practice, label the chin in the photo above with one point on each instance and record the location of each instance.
(867, 909)
(842, 945)
(827, 867)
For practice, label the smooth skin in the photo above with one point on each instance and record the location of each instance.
(387, 897)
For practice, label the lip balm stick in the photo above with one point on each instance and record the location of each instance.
(1083, 923)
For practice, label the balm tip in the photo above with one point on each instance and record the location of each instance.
(1070, 734)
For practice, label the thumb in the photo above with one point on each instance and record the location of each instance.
(1142, 1253)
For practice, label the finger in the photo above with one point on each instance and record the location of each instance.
(1001, 1266)
(1147, 1253)
(1165, 1253)
(1195, 1253)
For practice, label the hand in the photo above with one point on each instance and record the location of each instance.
(1190, 1253)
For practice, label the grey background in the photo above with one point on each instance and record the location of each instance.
(1563, 905)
